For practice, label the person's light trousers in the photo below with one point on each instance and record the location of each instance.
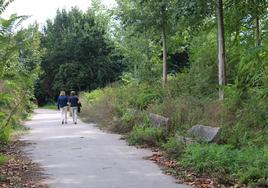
(74, 113)
(63, 112)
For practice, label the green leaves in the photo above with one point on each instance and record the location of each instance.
(19, 60)
(79, 54)
(4, 4)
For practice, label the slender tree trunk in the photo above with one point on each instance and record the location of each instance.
(164, 43)
(164, 55)
(221, 49)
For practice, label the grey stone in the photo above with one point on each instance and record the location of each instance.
(158, 121)
(210, 134)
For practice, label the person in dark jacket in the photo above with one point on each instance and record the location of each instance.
(62, 106)
(74, 102)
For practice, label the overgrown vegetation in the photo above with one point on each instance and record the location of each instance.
(146, 135)
(190, 95)
(20, 55)
(247, 165)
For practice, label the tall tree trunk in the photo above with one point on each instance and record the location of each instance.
(164, 55)
(221, 49)
(164, 45)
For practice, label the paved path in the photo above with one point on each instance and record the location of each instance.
(82, 156)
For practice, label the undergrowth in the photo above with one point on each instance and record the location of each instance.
(3, 159)
(242, 155)
(228, 164)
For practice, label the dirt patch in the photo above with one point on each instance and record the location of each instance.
(19, 171)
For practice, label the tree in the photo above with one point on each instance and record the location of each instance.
(221, 48)
(77, 50)
(149, 15)
(20, 58)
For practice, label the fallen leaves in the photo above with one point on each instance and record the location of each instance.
(184, 176)
(19, 170)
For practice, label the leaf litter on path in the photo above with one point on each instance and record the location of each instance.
(19, 171)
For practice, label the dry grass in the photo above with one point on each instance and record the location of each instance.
(101, 113)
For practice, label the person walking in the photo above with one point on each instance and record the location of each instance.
(62, 106)
(74, 102)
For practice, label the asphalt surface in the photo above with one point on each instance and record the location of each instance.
(82, 156)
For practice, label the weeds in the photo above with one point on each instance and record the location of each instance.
(248, 166)
(242, 157)
(146, 136)
(3, 159)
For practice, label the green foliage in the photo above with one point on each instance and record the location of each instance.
(146, 136)
(5, 135)
(3, 159)
(145, 96)
(19, 67)
(94, 96)
(223, 161)
(79, 53)
(174, 148)
(128, 116)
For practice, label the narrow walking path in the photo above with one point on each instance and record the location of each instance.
(82, 156)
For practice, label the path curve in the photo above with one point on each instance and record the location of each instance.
(82, 156)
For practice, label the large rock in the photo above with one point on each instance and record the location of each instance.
(210, 134)
(158, 121)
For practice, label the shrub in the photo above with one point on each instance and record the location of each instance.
(143, 95)
(93, 96)
(173, 148)
(146, 136)
(223, 161)
(5, 135)
(128, 120)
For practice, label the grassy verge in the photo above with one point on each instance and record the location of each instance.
(227, 164)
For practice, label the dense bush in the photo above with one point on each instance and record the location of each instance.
(173, 148)
(19, 68)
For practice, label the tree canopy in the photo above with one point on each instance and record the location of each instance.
(79, 54)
